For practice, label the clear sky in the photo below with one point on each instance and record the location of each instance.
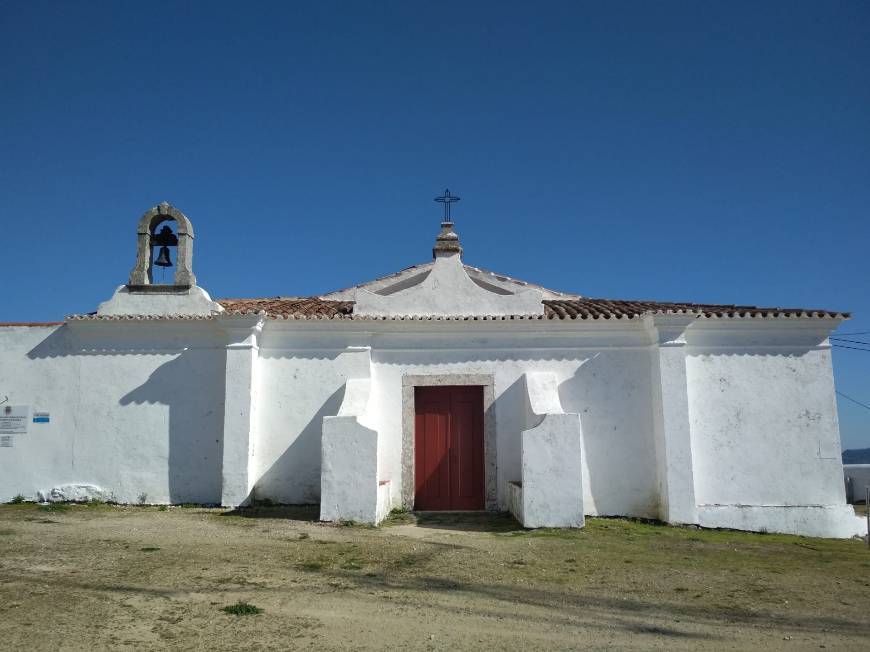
(704, 151)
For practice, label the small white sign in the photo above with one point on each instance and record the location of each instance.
(6, 441)
(13, 419)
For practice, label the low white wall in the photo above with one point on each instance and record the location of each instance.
(835, 521)
(349, 488)
(514, 494)
(552, 487)
(349, 484)
(857, 479)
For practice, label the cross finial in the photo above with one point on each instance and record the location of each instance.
(447, 199)
(447, 242)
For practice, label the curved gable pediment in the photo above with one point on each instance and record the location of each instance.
(445, 291)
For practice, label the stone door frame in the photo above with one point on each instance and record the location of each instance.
(487, 381)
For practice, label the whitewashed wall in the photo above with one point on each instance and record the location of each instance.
(765, 436)
(303, 367)
(136, 410)
(608, 388)
(302, 375)
(755, 415)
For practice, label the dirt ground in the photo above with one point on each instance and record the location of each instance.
(145, 578)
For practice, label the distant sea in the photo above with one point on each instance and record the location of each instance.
(856, 456)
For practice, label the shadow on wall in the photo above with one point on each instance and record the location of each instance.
(195, 422)
(511, 407)
(294, 478)
(611, 393)
(56, 344)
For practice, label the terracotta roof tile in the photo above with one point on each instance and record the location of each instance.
(587, 308)
(289, 307)
(584, 308)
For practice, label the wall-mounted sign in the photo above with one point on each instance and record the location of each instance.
(13, 419)
(41, 417)
(6, 441)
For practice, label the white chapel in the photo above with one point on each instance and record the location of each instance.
(440, 387)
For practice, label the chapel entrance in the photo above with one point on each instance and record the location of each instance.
(448, 448)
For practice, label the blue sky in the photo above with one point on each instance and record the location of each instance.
(715, 151)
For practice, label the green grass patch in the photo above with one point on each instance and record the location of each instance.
(399, 517)
(543, 533)
(311, 565)
(6, 533)
(18, 507)
(351, 564)
(242, 609)
(54, 507)
(354, 524)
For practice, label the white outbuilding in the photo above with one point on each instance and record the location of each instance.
(440, 387)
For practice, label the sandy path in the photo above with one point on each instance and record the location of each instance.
(140, 578)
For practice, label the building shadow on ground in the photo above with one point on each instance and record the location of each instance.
(309, 513)
(460, 521)
(499, 522)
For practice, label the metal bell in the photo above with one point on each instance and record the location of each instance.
(163, 258)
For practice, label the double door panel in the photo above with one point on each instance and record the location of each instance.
(448, 448)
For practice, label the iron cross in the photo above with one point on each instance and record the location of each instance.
(447, 199)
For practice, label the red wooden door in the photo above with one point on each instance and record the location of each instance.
(448, 448)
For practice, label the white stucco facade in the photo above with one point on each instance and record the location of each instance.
(691, 418)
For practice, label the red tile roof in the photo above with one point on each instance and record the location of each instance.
(289, 307)
(587, 308)
(584, 308)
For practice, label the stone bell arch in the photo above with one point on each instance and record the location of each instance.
(146, 231)
(141, 296)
